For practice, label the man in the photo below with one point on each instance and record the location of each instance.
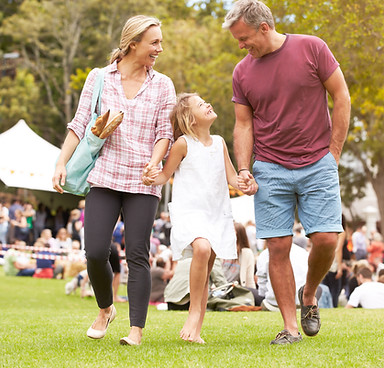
(368, 294)
(160, 276)
(280, 94)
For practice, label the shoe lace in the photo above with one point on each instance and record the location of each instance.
(312, 312)
(282, 334)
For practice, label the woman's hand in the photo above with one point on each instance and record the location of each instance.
(69, 146)
(59, 178)
(150, 173)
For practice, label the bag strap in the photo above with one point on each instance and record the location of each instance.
(97, 91)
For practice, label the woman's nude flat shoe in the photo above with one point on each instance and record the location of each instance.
(127, 341)
(99, 334)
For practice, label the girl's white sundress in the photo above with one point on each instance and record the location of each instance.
(200, 206)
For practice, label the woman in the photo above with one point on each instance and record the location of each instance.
(241, 269)
(146, 97)
(4, 223)
(20, 225)
(63, 240)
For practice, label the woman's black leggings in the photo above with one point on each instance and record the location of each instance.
(102, 209)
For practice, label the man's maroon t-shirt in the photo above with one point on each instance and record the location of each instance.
(285, 90)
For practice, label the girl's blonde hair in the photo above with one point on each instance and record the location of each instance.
(133, 31)
(182, 117)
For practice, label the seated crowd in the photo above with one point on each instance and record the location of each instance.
(33, 242)
(250, 271)
(38, 243)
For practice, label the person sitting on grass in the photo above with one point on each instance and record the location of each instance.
(18, 264)
(369, 294)
(82, 281)
(45, 261)
(160, 275)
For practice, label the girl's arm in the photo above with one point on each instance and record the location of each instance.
(159, 151)
(151, 169)
(246, 185)
(177, 153)
(229, 168)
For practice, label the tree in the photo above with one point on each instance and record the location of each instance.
(18, 99)
(55, 37)
(200, 56)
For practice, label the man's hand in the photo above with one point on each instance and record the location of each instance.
(246, 182)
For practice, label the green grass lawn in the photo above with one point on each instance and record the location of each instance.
(40, 326)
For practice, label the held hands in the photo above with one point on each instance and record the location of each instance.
(246, 183)
(150, 173)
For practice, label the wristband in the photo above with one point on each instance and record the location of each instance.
(242, 170)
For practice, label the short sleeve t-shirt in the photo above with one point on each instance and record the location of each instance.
(369, 295)
(285, 90)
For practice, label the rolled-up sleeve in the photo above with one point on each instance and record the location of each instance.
(163, 126)
(83, 112)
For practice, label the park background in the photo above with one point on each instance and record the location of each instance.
(48, 47)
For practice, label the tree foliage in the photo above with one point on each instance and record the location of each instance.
(19, 98)
(57, 36)
(198, 58)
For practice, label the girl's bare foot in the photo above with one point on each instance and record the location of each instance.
(120, 300)
(188, 332)
(199, 340)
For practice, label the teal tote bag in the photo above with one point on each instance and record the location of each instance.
(84, 157)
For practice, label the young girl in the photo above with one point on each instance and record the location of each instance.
(201, 216)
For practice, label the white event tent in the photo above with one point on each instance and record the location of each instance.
(26, 159)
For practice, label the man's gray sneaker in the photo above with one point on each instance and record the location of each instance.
(310, 316)
(284, 337)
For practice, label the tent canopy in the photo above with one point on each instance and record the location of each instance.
(27, 160)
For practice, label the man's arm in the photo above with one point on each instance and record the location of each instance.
(243, 141)
(338, 90)
(243, 136)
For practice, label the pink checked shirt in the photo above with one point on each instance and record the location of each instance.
(146, 120)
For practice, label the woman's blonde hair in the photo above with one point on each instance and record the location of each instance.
(182, 117)
(133, 31)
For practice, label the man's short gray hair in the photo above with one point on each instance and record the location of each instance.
(252, 12)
